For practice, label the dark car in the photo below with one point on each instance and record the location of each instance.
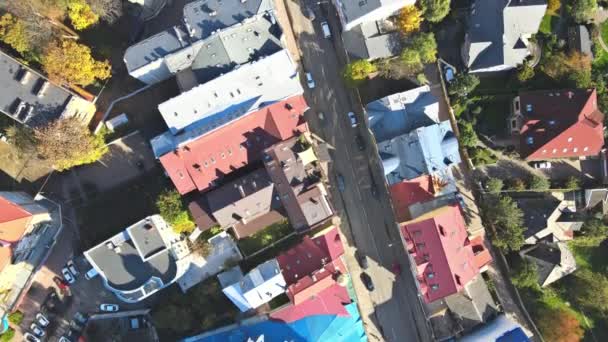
(341, 185)
(361, 259)
(360, 143)
(367, 281)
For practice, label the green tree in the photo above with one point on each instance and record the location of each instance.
(70, 62)
(172, 209)
(468, 137)
(435, 10)
(583, 10)
(494, 185)
(525, 275)
(592, 290)
(68, 142)
(507, 219)
(16, 317)
(525, 72)
(572, 183)
(426, 45)
(539, 183)
(594, 227)
(463, 84)
(81, 15)
(358, 71)
(411, 59)
(13, 33)
(8, 335)
(22, 138)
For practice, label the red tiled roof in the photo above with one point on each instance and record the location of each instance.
(560, 124)
(197, 164)
(408, 192)
(13, 220)
(481, 252)
(310, 255)
(329, 301)
(441, 248)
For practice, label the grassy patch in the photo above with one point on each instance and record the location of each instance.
(203, 307)
(112, 211)
(265, 237)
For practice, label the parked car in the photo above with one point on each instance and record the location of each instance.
(367, 281)
(448, 73)
(542, 165)
(361, 259)
(325, 28)
(341, 185)
(108, 307)
(310, 81)
(81, 318)
(90, 274)
(30, 338)
(72, 268)
(360, 143)
(353, 119)
(68, 276)
(42, 320)
(37, 330)
(321, 116)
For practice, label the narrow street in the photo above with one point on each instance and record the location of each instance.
(393, 311)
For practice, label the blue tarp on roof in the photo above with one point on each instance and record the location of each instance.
(312, 328)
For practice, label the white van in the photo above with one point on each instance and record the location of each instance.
(325, 28)
(92, 273)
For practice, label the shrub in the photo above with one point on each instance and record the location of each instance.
(358, 71)
(16, 317)
(482, 156)
(172, 209)
(539, 183)
(8, 335)
(494, 185)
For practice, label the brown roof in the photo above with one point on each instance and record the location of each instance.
(244, 230)
(199, 208)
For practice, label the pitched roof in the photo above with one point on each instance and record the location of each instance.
(329, 301)
(200, 211)
(232, 95)
(442, 251)
(554, 261)
(560, 124)
(408, 192)
(353, 13)
(199, 163)
(13, 220)
(536, 212)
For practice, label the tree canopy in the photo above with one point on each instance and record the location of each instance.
(559, 325)
(12, 32)
(507, 219)
(425, 45)
(435, 10)
(409, 20)
(595, 227)
(81, 15)
(67, 142)
(70, 62)
(539, 183)
(494, 185)
(411, 59)
(468, 137)
(525, 274)
(592, 291)
(463, 84)
(172, 209)
(583, 10)
(358, 71)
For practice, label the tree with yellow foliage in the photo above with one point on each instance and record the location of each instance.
(13, 33)
(553, 6)
(81, 15)
(409, 20)
(72, 63)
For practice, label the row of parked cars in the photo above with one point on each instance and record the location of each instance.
(37, 329)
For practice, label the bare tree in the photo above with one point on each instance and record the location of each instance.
(108, 10)
(41, 15)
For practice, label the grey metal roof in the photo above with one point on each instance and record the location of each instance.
(231, 276)
(496, 29)
(355, 12)
(474, 305)
(155, 47)
(45, 108)
(553, 260)
(123, 265)
(206, 16)
(367, 42)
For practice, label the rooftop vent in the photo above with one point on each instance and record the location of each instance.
(24, 76)
(43, 88)
(212, 13)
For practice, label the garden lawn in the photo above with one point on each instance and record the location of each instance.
(265, 237)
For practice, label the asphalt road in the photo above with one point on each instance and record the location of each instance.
(395, 309)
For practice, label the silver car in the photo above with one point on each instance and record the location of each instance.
(353, 119)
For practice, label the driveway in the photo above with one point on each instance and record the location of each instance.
(392, 311)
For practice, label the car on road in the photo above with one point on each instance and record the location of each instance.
(42, 320)
(37, 330)
(321, 116)
(361, 259)
(28, 337)
(309, 81)
(108, 307)
(542, 165)
(67, 275)
(360, 143)
(341, 185)
(353, 119)
(325, 28)
(448, 73)
(367, 281)
(72, 268)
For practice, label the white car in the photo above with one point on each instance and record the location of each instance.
(42, 320)
(30, 338)
(353, 119)
(68, 276)
(325, 28)
(108, 307)
(72, 268)
(542, 165)
(321, 116)
(37, 330)
(310, 81)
